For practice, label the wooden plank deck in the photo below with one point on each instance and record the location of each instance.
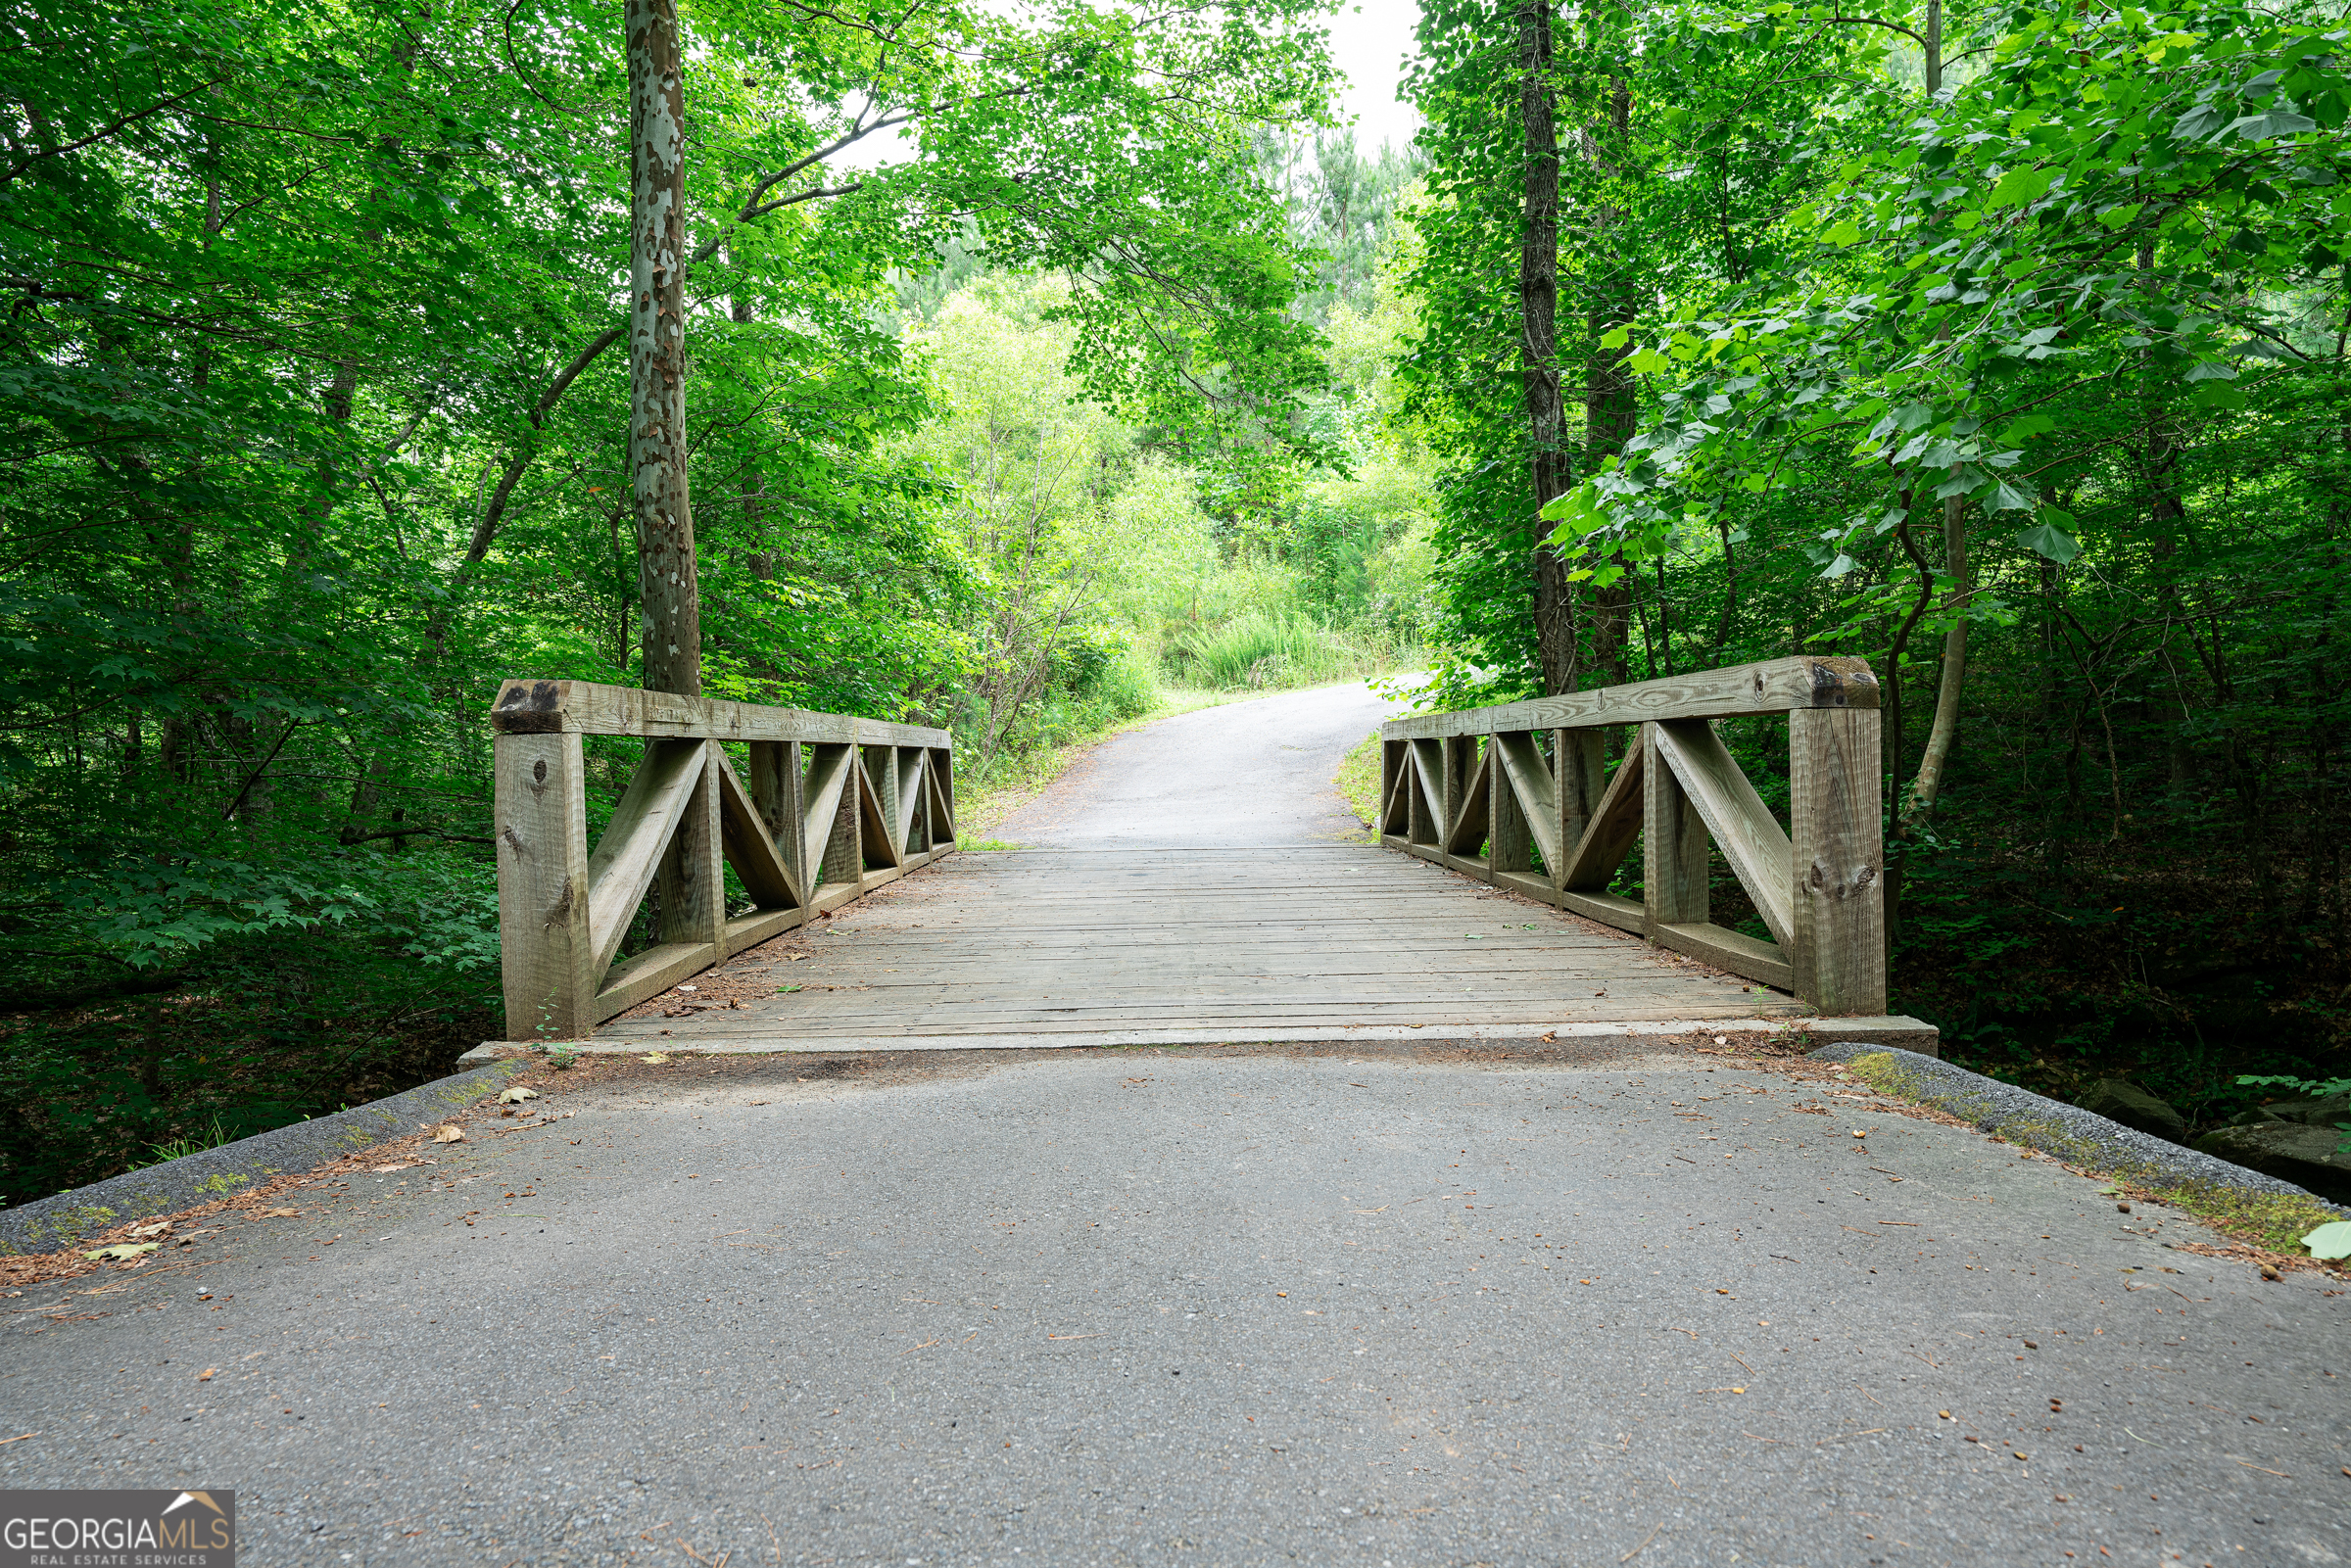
(1181, 944)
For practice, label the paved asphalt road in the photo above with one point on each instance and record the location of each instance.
(1244, 774)
(1436, 1305)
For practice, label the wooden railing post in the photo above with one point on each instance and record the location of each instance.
(1673, 846)
(844, 851)
(545, 953)
(1510, 846)
(1579, 773)
(692, 900)
(1680, 790)
(1420, 823)
(778, 788)
(565, 910)
(1839, 860)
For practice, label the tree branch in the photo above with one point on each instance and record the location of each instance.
(100, 135)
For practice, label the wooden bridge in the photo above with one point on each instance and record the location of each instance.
(1508, 931)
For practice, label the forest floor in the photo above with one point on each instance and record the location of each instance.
(1376, 1303)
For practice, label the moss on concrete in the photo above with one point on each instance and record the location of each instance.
(2274, 1220)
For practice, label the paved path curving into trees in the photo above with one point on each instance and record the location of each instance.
(1454, 1298)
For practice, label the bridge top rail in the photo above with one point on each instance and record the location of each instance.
(835, 806)
(1738, 691)
(1523, 795)
(585, 707)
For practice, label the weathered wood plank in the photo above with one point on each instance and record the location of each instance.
(691, 888)
(630, 853)
(778, 782)
(1744, 828)
(1614, 824)
(872, 814)
(1430, 809)
(1528, 884)
(1726, 949)
(586, 708)
(829, 769)
(1607, 908)
(1415, 793)
(1509, 844)
(908, 800)
(1779, 686)
(547, 951)
(650, 973)
(744, 931)
(942, 796)
(1469, 831)
(748, 846)
(1536, 792)
(1674, 844)
(1839, 855)
(1580, 774)
(1394, 766)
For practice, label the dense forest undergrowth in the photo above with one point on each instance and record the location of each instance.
(1031, 374)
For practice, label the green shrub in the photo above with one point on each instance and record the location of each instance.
(1261, 649)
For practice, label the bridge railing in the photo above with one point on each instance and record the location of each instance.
(834, 808)
(1484, 791)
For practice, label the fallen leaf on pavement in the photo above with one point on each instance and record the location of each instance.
(158, 1228)
(2330, 1240)
(206, 1376)
(452, 1133)
(517, 1095)
(279, 1213)
(385, 1170)
(656, 1059)
(123, 1252)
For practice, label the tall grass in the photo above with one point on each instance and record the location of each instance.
(1262, 649)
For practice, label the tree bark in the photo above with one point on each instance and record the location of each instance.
(1550, 470)
(1610, 406)
(1955, 666)
(668, 590)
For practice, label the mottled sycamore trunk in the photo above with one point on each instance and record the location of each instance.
(669, 593)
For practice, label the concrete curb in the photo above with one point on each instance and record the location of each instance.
(48, 1225)
(2078, 1136)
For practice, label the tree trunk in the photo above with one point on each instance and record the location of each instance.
(667, 587)
(1610, 406)
(1551, 472)
(1955, 666)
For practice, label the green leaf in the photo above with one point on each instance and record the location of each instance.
(2275, 122)
(2051, 541)
(2020, 187)
(2330, 1240)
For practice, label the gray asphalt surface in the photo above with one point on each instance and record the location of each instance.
(1034, 1311)
(1435, 1304)
(1244, 774)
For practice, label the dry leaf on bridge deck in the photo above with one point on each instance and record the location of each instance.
(124, 1252)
